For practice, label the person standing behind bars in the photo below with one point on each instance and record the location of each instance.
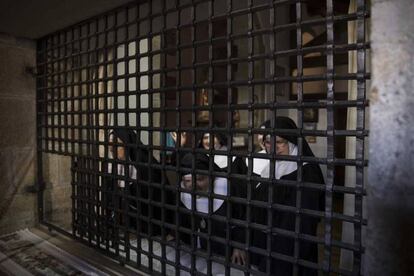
(124, 168)
(222, 187)
(286, 195)
(237, 167)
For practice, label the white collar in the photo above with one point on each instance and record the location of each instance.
(259, 164)
(220, 188)
(221, 160)
(283, 167)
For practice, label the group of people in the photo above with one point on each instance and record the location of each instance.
(216, 201)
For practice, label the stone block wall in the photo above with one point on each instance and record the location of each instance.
(58, 190)
(18, 207)
(18, 163)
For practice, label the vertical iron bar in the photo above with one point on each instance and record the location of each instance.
(41, 123)
(106, 132)
(330, 175)
(89, 125)
(272, 153)
(299, 102)
(229, 32)
(360, 139)
(96, 125)
(117, 192)
(128, 181)
(140, 251)
(150, 143)
(211, 125)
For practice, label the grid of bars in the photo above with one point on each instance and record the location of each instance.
(159, 67)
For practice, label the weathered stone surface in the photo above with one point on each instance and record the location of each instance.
(15, 79)
(17, 122)
(56, 171)
(390, 200)
(18, 207)
(24, 164)
(6, 169)
(22, 213)
(58, 205)
(6, 181)
(64, 171)
(50, 170)
(58, 190)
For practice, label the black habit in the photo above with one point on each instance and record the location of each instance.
(218, 219)
(133, 192)
(283, 220)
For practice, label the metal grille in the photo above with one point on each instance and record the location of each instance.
(160, 68)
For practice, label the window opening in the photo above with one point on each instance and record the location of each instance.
(209, 136)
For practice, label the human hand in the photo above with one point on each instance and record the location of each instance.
(183, 138)
(238, 257)
(169, 237)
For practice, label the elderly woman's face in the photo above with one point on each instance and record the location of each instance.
(120, 150)
(282, 145)
(201, 182)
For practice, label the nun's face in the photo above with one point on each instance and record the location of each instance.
(206, 142)
(201, 182)
(282, 145)
(120, 150)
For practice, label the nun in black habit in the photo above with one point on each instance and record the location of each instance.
(221, 186)
(125, 172)
(287, 195)
(239, 167)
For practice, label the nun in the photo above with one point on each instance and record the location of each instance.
(211, 213)
(124, 190)
(284, 195)
(221, 160)
(259, 164)
(238, 167)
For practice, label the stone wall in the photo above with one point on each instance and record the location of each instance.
(390, 200)
(58, 190)
(18, 207)
(18, 202)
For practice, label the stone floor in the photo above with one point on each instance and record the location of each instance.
(39, 252)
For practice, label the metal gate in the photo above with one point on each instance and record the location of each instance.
(153, 98)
